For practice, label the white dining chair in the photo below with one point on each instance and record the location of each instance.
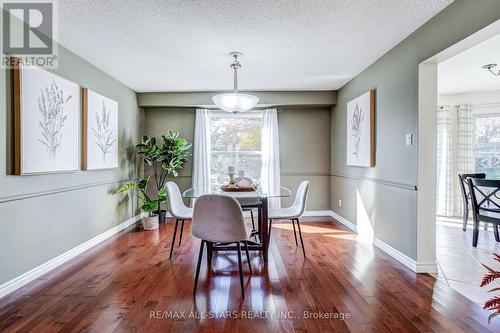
(219, 219)
(293, 212)
(178, 210)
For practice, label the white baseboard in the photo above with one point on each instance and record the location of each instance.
(344, 221)
(404, 259)
(309, 213)
(417, 267)
(36, 272)
(427, 267)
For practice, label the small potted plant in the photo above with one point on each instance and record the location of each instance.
(148, 205)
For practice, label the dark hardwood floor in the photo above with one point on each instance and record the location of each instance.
(127, 284)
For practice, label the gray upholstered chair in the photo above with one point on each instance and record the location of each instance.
(178, 210)
(219, 219)
(293, 212)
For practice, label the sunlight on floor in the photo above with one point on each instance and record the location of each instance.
(308, 228)
(351, 237)
(364, 225)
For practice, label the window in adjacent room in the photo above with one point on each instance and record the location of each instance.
(235, 140)
(487, 145)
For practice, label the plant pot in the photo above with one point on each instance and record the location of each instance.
(162, 216)
(150, 223)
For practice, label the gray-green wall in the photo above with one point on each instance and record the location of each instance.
(304, 147)
(44, 216)
(386, 192)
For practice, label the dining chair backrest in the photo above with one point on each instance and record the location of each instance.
(464, 186)
(218, 218)
(484, 194)
(300, 202)
(175, 199)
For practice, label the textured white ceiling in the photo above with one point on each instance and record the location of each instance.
(287, 45)
(463, 72)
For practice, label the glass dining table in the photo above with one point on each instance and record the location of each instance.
(258, 199)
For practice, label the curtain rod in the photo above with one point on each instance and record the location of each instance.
(477, 105)
(485, 105)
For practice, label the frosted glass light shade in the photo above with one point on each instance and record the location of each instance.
(235, 102)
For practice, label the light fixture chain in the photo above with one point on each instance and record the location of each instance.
(235, 65)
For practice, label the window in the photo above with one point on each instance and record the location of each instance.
(235, 141)
(487, 145)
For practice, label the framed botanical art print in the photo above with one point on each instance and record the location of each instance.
(46, 120)
(361, 130)
(100, 131)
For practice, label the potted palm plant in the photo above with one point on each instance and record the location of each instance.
(148, 204)
(163, 160)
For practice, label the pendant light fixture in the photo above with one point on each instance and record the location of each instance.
(490, 67)
(235, 102)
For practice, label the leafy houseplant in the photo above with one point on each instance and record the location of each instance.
(494, 302)
(147, 204)
(163, 160)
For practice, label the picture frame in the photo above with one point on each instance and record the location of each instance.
(99, 131)
(361, 130)
(46, 122)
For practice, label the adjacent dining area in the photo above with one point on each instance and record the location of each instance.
(480, 196)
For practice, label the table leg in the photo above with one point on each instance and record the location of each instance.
(263, 221)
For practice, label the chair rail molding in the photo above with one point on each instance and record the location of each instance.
(404, 186)
(24, 196)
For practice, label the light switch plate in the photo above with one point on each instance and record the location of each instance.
(409, 139)
(340, 203)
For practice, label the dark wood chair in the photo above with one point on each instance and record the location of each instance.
(464, 189)
(485, 204)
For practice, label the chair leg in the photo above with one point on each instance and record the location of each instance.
(253, 221)
(270, 228)
(182, 229)
(198, 266)
(475, 233)
(173, 239)
(466, 217)
(294, 232)
(241, 270)
(209, 254)
(248, 256)
(301, 240)
(495, 231)
(258, 237)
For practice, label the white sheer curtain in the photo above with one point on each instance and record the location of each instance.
(271, 155)
(465, 147)
(445, 189)
(455, 154)
(201, 147)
